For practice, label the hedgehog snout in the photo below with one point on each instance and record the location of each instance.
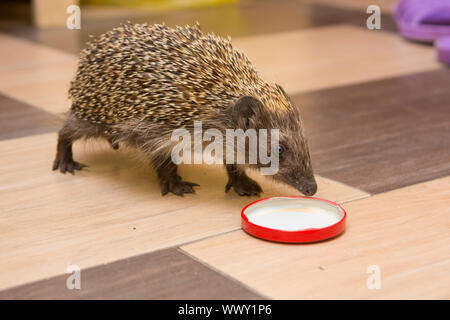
(309, 188)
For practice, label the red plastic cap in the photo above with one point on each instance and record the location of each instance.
(297, 236)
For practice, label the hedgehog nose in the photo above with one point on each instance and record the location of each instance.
(309, 188)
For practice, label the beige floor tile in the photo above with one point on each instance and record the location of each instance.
(49, 220)
(43, 87)
(335, 56)
(17, 54)
(404, 232)
(37, 75)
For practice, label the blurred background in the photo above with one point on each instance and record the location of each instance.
(45, 20)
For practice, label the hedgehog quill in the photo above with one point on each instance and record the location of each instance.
(137, 83)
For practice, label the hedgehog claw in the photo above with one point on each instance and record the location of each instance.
(67, 166)
(178, 187)
(244, 186)
(165, 188)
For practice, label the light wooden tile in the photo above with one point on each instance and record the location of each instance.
(405, 232)
(44, 87)
(17, 54)
(334, 56)
(49, 220)
(35, 74)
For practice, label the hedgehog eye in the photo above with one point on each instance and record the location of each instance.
(280, 150)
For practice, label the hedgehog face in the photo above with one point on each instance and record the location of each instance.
(294, 167)
(294, 161)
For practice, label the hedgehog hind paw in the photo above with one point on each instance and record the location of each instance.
(178, 187)
(244, 186)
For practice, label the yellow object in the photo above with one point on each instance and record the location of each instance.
(157, 4)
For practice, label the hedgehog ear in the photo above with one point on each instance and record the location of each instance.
(244, 109)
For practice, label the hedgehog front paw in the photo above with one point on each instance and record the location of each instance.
(67, 165)
(177, 186)
(244, 186)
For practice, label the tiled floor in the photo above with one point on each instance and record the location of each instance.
(165, 274)
(399, 231)
(376, 109)
(114, 208)
(392, 132)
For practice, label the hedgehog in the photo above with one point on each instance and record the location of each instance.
(137, 83)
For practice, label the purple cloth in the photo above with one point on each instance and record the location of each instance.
(443, 48)
(423, 11)
(423, 20)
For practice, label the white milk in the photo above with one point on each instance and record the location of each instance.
(293, 214)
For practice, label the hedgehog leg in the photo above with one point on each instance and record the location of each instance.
(64, 157)
(241, 183)
(170, 181)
